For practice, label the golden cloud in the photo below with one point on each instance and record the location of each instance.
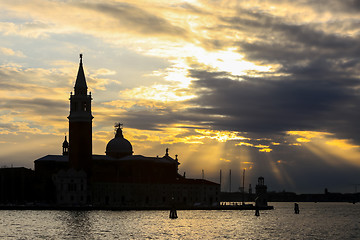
(342, 143)
(306, 136)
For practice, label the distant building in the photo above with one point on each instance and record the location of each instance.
(261, 193)
(17, 185)
(119, 178)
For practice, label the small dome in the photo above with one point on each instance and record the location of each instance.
(119, 146)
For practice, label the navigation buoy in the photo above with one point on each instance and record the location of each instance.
(173, 214)
(296, 208)
(257, 212)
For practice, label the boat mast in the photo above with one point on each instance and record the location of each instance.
(243, 188)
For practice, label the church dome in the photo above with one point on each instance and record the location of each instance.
(119, 146)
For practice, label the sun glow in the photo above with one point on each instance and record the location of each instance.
(221, 136)
(223, 60)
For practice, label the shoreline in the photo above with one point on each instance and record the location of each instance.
(95, 208)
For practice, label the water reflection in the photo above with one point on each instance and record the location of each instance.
(315, 221)
(77, 224)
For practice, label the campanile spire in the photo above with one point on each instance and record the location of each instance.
(80, 83)
(80, 124)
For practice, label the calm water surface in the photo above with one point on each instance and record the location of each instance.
(315, 221)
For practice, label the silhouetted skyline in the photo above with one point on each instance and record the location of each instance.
(267, 86)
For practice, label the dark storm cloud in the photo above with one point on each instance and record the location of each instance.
(347, 6)
(300, 170)
(157, 119)
(134, 18)
(333, 6)
(277, 40)
(144, 119)
(318, 89)
(261, 105)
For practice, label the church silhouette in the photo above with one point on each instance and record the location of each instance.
(118, 179)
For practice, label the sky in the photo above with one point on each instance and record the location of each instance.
(270, 86)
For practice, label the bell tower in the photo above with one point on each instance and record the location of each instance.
(80, 124)
(65, 147)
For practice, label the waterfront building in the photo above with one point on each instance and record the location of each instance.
(17, 185)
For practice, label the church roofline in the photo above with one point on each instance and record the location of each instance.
(55, 158)
(134, 158)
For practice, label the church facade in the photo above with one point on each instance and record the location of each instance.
(119, 178)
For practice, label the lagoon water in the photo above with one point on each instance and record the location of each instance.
(315, 221)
